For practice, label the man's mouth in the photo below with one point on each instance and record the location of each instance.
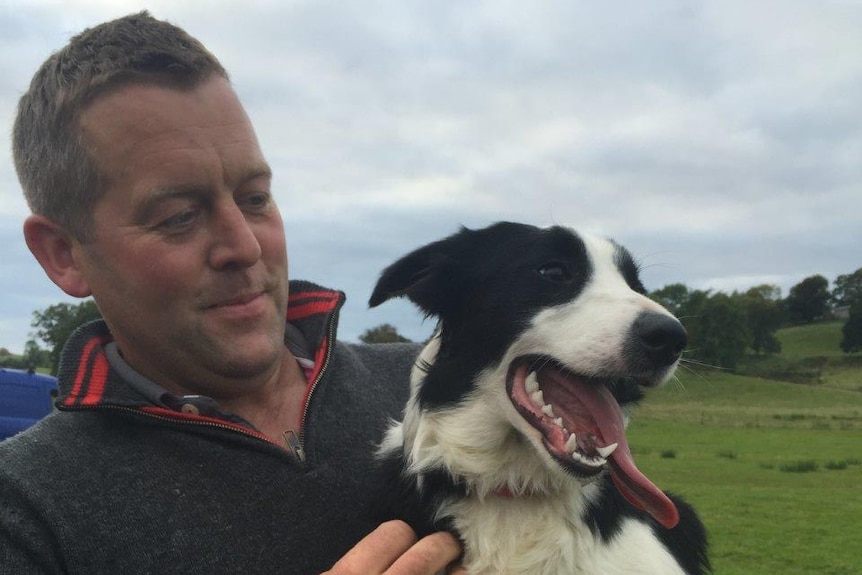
(238, 300)
(583, 429)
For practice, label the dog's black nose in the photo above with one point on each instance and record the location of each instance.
(658, 338)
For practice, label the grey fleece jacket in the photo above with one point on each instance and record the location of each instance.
(116, 483)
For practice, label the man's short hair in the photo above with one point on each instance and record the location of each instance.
(60, 179)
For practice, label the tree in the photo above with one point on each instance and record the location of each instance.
(766, 291)
(56, 323)
(384, 333)
(764, 316)
(717, 328)
(10, 360)
(848, 289)
(808, 300)
(852, 330)
(35, 356)
(674, 297)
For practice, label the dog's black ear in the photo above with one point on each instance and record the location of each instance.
(427, 276)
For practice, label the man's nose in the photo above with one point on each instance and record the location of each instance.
(234, 243)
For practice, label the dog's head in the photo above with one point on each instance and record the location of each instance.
(545, 337)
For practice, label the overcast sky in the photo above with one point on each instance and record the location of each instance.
(720, 141)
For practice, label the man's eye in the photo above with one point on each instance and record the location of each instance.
(555, 272)
(179, 221)
(258, 201)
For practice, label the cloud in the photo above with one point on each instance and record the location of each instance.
(718, 140)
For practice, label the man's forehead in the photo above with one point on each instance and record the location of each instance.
(151, 137)
(135, 114)
(147, 106)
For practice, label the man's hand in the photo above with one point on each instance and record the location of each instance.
(392, 549)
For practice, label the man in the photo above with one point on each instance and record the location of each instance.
(197, 431)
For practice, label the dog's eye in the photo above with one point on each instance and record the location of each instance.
(555, 272)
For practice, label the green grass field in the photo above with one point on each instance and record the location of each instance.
(774, 468)
(819, 339)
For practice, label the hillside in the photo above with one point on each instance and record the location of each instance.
(732, 400)
(810, 354)
(813, 340)
(772, 465)
(810, 382)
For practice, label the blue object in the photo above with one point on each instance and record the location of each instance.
(25, 398)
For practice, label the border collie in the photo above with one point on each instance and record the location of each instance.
(514, 433)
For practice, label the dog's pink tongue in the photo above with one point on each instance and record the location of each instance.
(639, 490)
(633, 484)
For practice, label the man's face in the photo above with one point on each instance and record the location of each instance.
(189, 263)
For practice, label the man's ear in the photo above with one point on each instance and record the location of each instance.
(53, 248)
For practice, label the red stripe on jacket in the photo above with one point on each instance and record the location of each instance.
(327, 295)
(92, 360)
(302, 311)
(98, 378)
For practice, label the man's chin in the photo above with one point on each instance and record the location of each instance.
(250, 361)
(239, 353)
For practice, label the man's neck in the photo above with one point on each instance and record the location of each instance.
(278, 405)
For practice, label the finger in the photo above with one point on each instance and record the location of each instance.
(456, 570)
(428, 556)
(377, 550)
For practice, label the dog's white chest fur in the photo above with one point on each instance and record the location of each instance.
(528, 536)
(545, 535)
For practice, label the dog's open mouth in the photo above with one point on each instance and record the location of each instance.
(583, 429)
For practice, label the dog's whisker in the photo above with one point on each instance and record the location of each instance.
(701, 364)
(676, 381)
(693, 371)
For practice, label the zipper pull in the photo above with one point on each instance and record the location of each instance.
(295, 445)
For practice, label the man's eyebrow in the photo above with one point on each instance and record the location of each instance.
(160, 194)
(260, 171)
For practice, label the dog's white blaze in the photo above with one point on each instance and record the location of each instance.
(482, 441)
(596, 322)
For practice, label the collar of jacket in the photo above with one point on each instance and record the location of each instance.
(86, 378)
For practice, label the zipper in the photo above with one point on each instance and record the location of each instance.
(294, 440)
(295, 445)
(178, 421)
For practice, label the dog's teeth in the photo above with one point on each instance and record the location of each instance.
(548, 410)
(559, 422)
(607, 450)
(595, 461)
(538, 398)
(591, 461)
(532, 383)
(572, 443)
